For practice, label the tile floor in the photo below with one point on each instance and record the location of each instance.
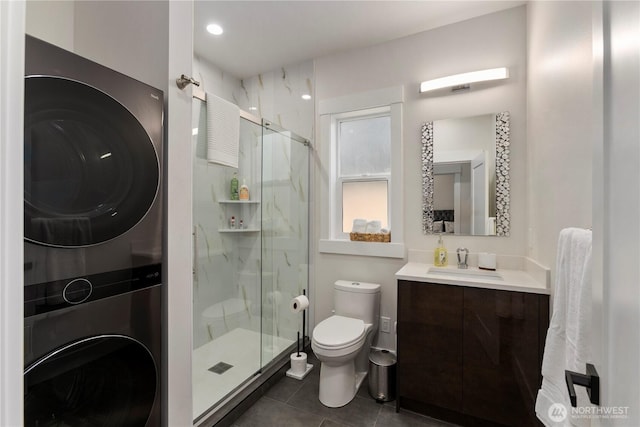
(293, 403)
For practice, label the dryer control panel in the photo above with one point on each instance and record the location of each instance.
(44, 297)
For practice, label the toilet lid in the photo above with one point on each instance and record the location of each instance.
(338, 331)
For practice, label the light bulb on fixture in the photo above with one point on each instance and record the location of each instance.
(215, 29)
(306, 97)
(465, 79)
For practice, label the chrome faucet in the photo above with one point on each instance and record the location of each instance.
(462, 258)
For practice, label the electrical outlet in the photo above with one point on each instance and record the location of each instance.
(385, 324)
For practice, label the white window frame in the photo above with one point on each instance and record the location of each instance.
(387, 101)
(337, 119)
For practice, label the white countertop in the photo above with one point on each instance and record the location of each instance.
(512, 280)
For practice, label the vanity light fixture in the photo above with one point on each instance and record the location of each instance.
(215, 29)
(462, 81)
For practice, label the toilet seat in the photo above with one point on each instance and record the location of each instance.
(338, 332)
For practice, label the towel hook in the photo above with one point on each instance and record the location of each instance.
(591, 381)
(183, 81)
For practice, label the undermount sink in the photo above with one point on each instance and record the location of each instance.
(472, 273)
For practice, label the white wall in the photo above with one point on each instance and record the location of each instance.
(490, 41)
(617, 202)
(130, 37)
(177, 382)
(40, 16)
(560, 117)
(12, 28)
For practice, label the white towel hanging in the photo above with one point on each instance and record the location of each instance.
(567, 346)
(223, 131)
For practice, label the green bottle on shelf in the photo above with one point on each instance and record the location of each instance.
(234, 187)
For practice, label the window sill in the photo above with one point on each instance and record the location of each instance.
(347, 247)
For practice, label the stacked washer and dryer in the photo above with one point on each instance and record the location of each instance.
(93, 243)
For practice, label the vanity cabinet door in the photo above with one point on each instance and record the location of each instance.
(429, 346)
(502, 355)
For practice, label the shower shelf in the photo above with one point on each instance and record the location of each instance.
(240, 209)
(238, 202)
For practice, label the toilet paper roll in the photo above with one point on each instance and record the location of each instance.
(299, 303)
(298, 363)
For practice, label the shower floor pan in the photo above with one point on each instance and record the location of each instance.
(240, 348)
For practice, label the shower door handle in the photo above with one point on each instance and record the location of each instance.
(194, 266)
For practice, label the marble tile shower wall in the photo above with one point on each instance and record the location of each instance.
(285, 232)
(227, 279)
(277, 96)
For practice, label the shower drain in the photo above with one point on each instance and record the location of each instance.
(220, 368)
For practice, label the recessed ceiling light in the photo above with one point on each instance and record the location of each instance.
(306, 97)
(215, 29)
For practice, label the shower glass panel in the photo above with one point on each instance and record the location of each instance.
(285, 216)
(226, 280)
(244, 276)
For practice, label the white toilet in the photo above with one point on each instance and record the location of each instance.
(342, 341)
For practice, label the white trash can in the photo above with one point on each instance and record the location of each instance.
(382, 375)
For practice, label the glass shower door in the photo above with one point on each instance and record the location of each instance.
(226, 280)
(285, 216)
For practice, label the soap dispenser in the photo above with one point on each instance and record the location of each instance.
(440, 258)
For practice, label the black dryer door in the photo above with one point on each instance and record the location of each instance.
(91, 171)
(102, 381)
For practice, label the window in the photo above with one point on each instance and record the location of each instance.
(363, 148)
(362, 145)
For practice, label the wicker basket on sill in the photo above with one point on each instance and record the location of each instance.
(370, 237)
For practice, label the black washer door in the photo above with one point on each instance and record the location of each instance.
(107, 380)
(91, 171)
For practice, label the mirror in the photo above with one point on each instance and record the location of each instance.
(465, 176)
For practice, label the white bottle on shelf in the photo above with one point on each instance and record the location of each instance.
(244, 191)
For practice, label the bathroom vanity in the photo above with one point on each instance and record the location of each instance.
(470, 344)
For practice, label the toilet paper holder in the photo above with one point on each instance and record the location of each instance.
(299, 366)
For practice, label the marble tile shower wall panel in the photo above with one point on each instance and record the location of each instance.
(227, 265)
(285, 229)
(277, 96)
(213, 80)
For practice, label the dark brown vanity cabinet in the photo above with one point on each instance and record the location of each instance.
(470, 355)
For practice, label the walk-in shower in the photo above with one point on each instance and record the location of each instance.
(245, 276)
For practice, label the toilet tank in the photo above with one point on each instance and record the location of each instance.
(358, 300)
